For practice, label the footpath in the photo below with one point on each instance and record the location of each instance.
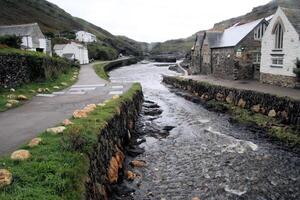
(21, 124)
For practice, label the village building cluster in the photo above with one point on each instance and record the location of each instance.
(34, 40)
(265, 50)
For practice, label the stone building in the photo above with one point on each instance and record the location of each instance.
(72, 51)
(86, 37)
(281, 48)
(231, 54)
(235, 54)
(32, 37)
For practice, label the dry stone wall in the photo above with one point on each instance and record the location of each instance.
(288, 110)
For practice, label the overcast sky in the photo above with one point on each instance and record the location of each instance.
(156, 20)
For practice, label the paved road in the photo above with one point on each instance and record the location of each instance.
(21, 124)
(250, 85)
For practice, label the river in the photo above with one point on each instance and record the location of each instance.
(205, 155)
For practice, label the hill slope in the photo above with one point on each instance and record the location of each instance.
(53, 19)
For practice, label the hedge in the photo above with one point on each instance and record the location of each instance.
(18, 67)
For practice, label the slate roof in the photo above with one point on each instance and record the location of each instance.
(294, 17)
(59, 46)
(213, 37)
(20, 30)
(233, 35)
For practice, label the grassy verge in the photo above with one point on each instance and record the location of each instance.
(55, 171)
(285, 133)
(100, 70)
(64, 80)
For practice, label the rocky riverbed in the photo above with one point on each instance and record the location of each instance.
(190, 152)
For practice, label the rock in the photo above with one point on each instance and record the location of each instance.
(56, 87)
(22, 98)
(272, 113)
(11, 96)
(64, 84)
(229, 98)
(256, 108)
(101, 104)
(89, 108)
(138, 163)
(116, 97)
(47, 90)
(284, 115)
(5, 178)
(8, 105)
(67, 122)
(13, 102)
(219, 97)
(115, 164)
(131, 176)
(78, 114)
(196, 198)
(56, 130)
(20, 155)
(32, 91)
(242, 103)
(40, 90)
(12, 90)
(35, 142)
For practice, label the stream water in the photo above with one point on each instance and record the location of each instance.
(205, 155)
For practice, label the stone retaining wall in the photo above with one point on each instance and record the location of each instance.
(119, 63)
(288, 110)
(107, 157)
(279, 80)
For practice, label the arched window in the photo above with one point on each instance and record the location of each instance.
(278, 31)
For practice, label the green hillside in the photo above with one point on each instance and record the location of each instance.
(53, 19)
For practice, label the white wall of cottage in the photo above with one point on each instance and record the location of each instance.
(291, 47)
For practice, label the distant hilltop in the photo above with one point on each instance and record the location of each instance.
(258, 13)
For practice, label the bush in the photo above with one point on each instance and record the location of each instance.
(100, 52)
(18, 67)
(297, 69)
(12, 41)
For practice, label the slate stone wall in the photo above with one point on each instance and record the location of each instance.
(288, 110)
(17, 69)
(111, 141)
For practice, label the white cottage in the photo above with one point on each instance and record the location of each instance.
(32, 37)
(281, 48)
(72, 51)
(86, 37)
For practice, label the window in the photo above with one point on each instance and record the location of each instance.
(277, 60)
(278, 31)
(259, 31)
(256, 58)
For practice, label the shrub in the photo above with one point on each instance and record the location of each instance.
(12, 41)
(100, 52)
(297, 69)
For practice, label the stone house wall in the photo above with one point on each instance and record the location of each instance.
(206, 55)
(195, 67)
(227, 65)
(282, 76)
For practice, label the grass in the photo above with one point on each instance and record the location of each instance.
(286, 134)
(56, 171)
(100, 70)
(30, 89)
